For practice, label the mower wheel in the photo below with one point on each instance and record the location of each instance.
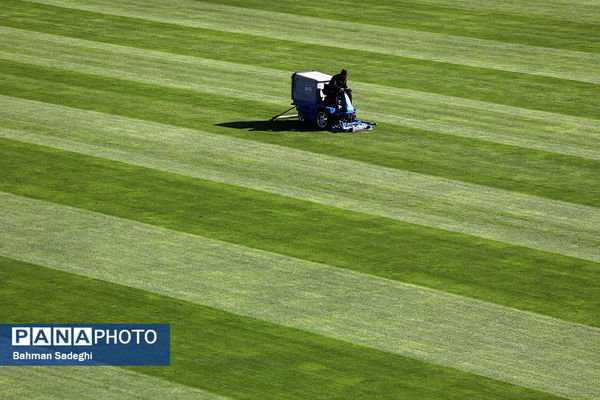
(322, 120)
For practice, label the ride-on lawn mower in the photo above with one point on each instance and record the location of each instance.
(309, 101)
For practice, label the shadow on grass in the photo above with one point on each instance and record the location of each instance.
(270, 126)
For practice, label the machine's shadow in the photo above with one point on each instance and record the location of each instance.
(270, 126)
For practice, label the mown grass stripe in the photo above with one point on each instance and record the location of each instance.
(240, 357)
(91, 383)
(515, 218)
(451, 115)
(457, 332)
(530, 91)
(580, 10)
(493, 25)
(557, 63)
(466, 265)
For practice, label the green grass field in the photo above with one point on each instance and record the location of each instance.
(451, 253)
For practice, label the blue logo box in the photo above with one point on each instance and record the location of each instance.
(85, 344)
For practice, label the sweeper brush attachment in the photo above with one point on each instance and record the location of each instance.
(312, 106)
(355, 126)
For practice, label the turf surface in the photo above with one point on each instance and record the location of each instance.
(534, 172)
(237, 356)
(450, 253)
(444, 114)
(530, 91)
(489, 270)
(495, 55)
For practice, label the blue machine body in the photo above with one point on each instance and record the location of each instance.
(309, 100)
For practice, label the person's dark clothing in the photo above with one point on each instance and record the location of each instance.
(338, 82)
(336, 86)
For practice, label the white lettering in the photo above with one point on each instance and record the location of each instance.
(31, 356)
(74, 356)
(99, 334)
(148, 332)
(113, 336)
(121, 334)
(137, 335)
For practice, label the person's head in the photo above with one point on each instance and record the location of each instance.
(344, 73)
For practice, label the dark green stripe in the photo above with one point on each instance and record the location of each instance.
(490, 25)
(519, 277)
(528, 171)
(237, 356)
(523, 90)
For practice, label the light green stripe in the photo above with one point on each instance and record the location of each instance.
(538, 130)
(580, 10)
(526, 349)
(461, 50)
(487, 212)
(93, 383)
(451, 115)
